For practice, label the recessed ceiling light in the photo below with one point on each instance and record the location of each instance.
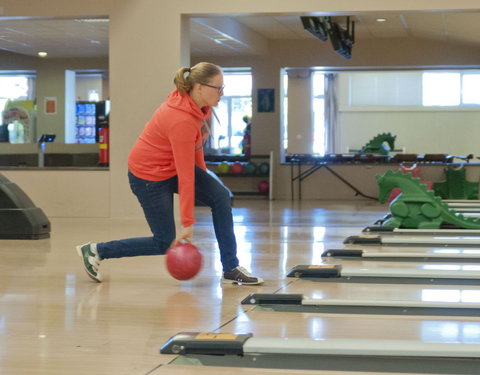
(42, 54)
(381, 20)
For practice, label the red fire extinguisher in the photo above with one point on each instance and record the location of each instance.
(103, 154)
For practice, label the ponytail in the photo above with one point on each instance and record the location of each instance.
(199, 73)
(183, 83)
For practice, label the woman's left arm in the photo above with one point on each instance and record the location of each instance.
(200, 159)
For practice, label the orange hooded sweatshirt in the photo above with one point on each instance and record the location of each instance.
(171, 144)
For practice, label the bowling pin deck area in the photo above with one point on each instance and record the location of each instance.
(326, 306)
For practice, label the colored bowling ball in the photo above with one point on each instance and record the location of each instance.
(250, 168)
(237, 168)
(224, 167)
(263, 187)
(264, 168)
(183, 261)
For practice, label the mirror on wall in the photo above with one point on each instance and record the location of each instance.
(53, 80)
(343, 110)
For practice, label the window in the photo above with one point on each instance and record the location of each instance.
(311, 119)
(414, 88)
(470, 88)
(16, 86)
(284, 110)
(17, 107)
(442, 89)
(384, 88)
(233, 111)
(318, 105)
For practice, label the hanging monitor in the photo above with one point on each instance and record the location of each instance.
(315, 26)
(325, 27)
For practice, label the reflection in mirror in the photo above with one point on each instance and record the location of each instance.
(17, 94)
(92, 107)
(341, 111)
(39, 93)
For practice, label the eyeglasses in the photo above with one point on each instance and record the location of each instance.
(219, 88)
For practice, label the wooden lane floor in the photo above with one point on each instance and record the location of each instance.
(55, 321)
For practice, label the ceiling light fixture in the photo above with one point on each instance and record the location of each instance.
(381, 20)
(42, 54)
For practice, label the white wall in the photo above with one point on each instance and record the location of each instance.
(84, 84)
(434, 130)
(419, 131)
(300, 130)
(65, 192)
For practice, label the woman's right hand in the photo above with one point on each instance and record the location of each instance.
(185, 236)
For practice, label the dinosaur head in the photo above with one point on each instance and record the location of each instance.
(382, 193)
(390, 139)
(384, 185)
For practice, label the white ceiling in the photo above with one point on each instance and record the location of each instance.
(233, 36)
(58, 37)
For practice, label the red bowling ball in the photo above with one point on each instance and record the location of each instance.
(237, 168)
(263, 187)
(184, 261)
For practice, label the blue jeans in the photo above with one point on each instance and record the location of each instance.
(156, 199)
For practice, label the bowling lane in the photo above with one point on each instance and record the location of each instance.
(385, 231)
(412, 300)
(375, 327)
(392, 254)
(388, 272)
(415, 240)
(379, 292)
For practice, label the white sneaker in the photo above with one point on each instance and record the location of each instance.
(90, 260)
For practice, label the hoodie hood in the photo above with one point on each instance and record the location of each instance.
(184, 102)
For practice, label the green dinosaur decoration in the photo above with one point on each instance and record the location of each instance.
(456, 185)
(416, 207)
(377, 144)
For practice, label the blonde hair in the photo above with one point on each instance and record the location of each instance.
(200, 73)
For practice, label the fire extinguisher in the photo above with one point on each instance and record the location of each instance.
(103, 155)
